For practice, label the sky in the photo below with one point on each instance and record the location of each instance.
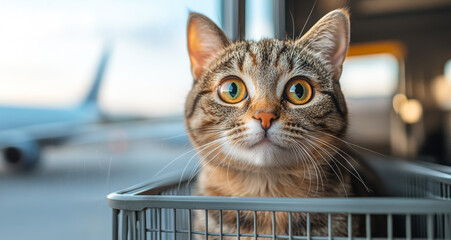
(50, 50)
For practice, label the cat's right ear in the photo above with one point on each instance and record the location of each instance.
(329, 37)
(205, 40)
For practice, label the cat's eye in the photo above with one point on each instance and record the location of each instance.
(298, 91)
(232, 90)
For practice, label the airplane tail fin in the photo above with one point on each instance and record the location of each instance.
(93, 93)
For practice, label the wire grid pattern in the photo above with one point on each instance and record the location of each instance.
(426, 214)
(424, 186)
(173, 223)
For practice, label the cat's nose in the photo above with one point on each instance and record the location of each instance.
(265, 118)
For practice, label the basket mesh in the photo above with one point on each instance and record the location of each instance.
(196, 222)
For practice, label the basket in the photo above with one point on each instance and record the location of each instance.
(164, 208)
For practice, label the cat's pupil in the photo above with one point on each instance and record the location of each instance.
(233, 89)
(299, 90)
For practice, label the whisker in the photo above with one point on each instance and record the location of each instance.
(292, 22)
(337, 150)
(355, 145)
(319, 166)
(313, 164)
(198, 152)
(196, 129)
(228, 166)
(298, 149)
(305, 24)
(339, 176)
(210, 160)
(200, 162)
(220, 163)
(172, 161)
(308, 18)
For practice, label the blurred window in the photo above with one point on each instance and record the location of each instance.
(441, 88)
(369, 76)
(259, 20)
(448, 72)
(446, 91)
(368, 83)
(50, 51)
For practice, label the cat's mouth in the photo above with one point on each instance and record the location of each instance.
(265, 142)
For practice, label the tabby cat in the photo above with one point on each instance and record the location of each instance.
(267, 117)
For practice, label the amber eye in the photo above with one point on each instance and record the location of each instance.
(298, 91)
(232, 90)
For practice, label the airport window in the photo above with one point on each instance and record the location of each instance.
(369, 82)
(48, 52)
(368, 76)
(448, 72)
(150, 70)
(148, 73)
(442, 87)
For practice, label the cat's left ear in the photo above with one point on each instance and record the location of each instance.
(205, 40)
(330, 38)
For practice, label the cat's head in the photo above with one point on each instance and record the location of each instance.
(266, 103)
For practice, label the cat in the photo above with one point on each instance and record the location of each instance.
(267, 118)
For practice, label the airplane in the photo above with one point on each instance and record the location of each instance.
(25, 131)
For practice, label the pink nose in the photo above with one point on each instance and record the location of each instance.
(265, 119)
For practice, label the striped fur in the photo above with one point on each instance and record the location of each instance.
(303, 156)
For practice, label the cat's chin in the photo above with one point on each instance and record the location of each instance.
(264, 153)
(265, 143)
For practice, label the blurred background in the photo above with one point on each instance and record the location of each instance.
(92, 94)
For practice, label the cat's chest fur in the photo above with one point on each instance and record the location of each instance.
(297, 182)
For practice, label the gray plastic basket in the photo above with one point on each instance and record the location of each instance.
(163, 208)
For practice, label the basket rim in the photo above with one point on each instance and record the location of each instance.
(130, 199)
(317, 205)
